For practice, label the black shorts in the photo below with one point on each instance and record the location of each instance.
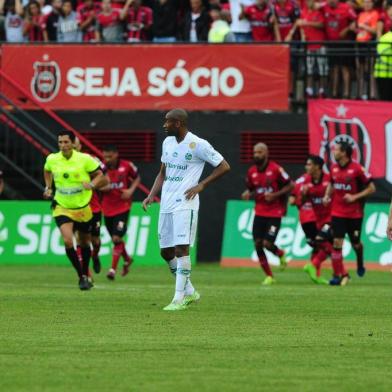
(325, 233)
(266, 228)
(351, 226)
(96, 224)
(83, 227)
(310, 230)
(117, 224)
(341, 54)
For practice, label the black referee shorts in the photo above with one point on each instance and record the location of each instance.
(83, 227)
(117, 224)
(266, 228)
(351, 226)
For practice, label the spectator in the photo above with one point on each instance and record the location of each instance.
(339, 26)
(384, 24)
(196, 23)
(286, 12)
(87, 13)
(240, 27)
(49, 23)
(68, 26)
(220, 27)
(262, 20)
(366, 32)
(13, 12)
(139, 20)
(311, 26)
(109, 26)
(33, 24)
(383, 67)
(165, 20)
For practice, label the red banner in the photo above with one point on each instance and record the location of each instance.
(367, 126)
(152, 77)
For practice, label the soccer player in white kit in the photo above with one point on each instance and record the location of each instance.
(183, 158)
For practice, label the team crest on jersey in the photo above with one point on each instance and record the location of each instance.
(46, 81)
(352, 131)
(188, 156)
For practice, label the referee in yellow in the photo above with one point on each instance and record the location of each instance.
(74, 175)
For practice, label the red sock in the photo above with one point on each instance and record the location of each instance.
(117, 251)
(327, 247)
(317, 259)
(79, 253)
(264, 263)
(126, 256)
(337, 262)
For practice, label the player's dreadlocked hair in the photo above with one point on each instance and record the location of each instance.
(65, 132)
(346, 147)
(315, 159)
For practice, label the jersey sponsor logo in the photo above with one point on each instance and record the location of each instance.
(317, 200)
(174, 179)
(116, 185)
(175, 166)
(46, 80)
(350, 130)
(192, 145)
(264, 190)
(121, 169)
(342, 187)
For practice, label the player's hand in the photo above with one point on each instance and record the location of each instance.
(48, 194)
(192, 192)
(304, 190)
(126, 194)
(326, 200)
(147, 201)
(88, 185)
(349, 198)
(389, 229)
(245, 195)
(269, 197)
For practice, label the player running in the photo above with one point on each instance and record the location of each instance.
(269, 185)
(350, 185)
(312, 191)
(75, 176)
(96, 209)
(183, 158)
(116, 204)
(306, 215)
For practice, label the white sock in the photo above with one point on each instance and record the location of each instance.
(182, 276)
(189, 289)
(173, 266)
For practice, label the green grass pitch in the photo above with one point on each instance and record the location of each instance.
(294, 336)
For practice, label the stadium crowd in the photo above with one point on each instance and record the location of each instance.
(320, 25)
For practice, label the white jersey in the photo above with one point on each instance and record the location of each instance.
(184, 164)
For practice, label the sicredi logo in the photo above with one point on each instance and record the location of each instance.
(3, 232)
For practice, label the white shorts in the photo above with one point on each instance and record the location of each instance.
(177, 228)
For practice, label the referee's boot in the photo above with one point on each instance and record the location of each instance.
(84, 283)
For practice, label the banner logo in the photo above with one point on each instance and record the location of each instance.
(352, 131)
(46, 81)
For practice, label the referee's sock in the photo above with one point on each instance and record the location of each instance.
(73, 258)
(86, 255)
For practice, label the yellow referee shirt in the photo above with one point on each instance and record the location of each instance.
(69, 175)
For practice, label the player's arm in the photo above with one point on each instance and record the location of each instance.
(351, 198)
(286, 189)
(19, 7)
(1, 185)
(328, 194)
(98, 180)
(48, 177)
(389, 226)
(219, 171)
(127, 193)
(156, 188)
